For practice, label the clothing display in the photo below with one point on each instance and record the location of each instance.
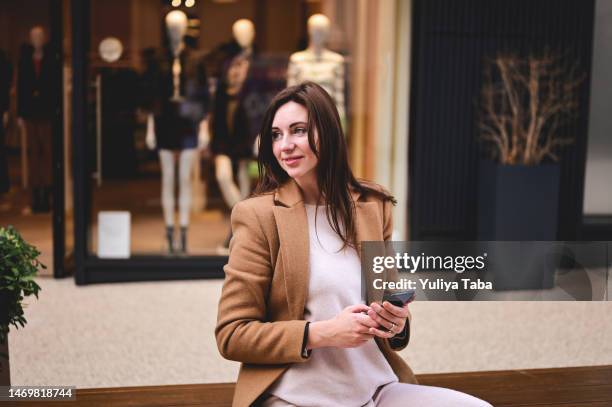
(216, 59)
(37, 91)
(243, 93)
(325, 68)
(179, 111)
(36, 84)
(6, 75)
(233, 128)
(177, 120)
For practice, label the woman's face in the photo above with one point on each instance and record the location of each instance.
(290, 142)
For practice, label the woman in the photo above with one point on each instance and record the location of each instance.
(291, 308)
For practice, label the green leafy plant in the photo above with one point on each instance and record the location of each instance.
(18, 266)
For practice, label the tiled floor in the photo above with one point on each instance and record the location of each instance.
(158, 333)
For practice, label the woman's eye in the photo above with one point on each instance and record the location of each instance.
(300, 130)
(276, 135)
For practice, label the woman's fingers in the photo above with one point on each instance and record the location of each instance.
(382, 334)
(357, 308)
(401, 312)
(367, 321)
(394, 327)
(387, 315)
(365, 336)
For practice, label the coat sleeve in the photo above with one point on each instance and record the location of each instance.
(243, 334)
(401, 340)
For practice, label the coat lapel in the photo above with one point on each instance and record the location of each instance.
(292, 225)
(369, 228)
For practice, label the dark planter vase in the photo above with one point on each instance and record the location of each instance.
(520, 203)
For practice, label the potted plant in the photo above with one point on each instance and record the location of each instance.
(18, 266)
(524, 105)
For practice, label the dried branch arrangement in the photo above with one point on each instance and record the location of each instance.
(524, 103)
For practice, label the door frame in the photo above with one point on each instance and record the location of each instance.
(58, 217)
(88, 268)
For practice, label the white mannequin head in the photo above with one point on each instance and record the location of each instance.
(244, 32)
(37, 37)
(176, 24)
(318, 30)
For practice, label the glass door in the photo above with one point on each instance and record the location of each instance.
(147, 204)
(31, 126)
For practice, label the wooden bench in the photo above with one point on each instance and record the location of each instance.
(568, 387)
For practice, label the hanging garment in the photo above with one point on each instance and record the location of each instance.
(37, 87)
(232, 132)
(325, 69)
(177, 120)
(37, 93)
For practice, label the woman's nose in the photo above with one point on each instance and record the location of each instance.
(287, 144)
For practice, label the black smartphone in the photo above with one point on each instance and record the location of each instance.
(399, 298)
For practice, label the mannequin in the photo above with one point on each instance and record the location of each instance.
(232, 139)
(35, 96)
(6, 76)
(318, 64)
(179, 126)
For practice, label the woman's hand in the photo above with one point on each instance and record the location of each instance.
(390, 319)
(349, 329)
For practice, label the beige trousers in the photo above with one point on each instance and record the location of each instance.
(406, 395)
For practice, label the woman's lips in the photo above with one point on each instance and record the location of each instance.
(292, 161)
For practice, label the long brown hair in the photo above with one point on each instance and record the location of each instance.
(334, 176)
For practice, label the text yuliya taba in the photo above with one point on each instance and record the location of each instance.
(432, 284)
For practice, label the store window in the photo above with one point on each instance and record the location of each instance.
(177, 90)
(31, 126)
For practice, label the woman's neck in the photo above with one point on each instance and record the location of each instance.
(310, 191)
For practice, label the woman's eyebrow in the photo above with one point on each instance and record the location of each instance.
(291, 125)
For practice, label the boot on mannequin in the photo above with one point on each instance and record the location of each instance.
(183, 242)
(170, 239)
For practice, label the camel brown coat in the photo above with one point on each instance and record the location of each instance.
(261, 311)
